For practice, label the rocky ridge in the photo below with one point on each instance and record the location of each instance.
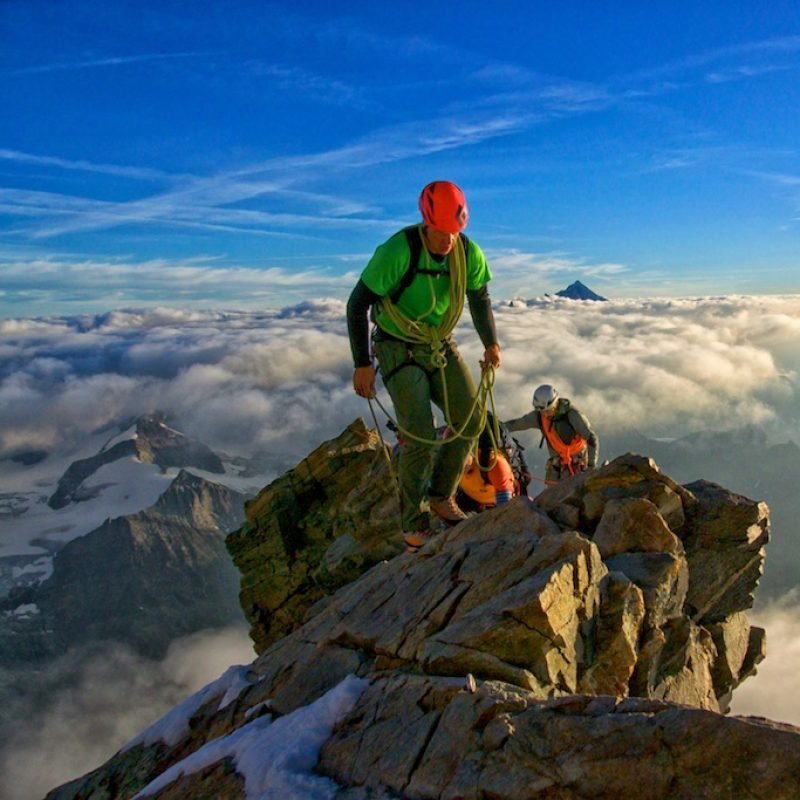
(579, 645)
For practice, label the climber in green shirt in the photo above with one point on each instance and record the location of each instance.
(416, 283)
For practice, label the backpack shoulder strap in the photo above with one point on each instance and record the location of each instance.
(414, 240)
(465, 244)
(414, 248)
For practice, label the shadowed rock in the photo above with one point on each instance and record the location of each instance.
(314, 529)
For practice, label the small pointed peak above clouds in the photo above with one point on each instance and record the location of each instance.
(579, 291)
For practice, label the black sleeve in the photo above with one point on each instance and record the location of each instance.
(480, 307)
(361, 298)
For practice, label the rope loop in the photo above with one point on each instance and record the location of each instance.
(484, 394)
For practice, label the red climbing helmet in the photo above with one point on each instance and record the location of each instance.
(444, 207)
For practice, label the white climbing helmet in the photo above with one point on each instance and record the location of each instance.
(544, 397)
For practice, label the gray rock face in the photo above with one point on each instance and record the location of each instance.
(502, 742)
(556, 648)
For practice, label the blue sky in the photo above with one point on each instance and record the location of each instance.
(251, 154)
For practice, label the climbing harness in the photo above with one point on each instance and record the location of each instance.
(565, 451)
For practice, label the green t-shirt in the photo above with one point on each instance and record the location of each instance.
(389, 263)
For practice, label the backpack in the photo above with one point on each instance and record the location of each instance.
(509, 446)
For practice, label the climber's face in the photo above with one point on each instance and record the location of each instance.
(440, 243)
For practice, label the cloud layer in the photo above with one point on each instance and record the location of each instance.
(96, 701)
(279, 381)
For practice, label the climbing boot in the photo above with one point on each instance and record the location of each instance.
(446, 508)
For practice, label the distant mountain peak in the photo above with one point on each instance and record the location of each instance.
(579, 291)
(154, 442)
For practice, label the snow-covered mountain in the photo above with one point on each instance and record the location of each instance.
(151, 441)
(53, 498)
(122, 544)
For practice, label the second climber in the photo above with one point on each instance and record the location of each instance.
(572, 444)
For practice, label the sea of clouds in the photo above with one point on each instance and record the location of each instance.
(95, 700)
(273, 385)
(280, 381)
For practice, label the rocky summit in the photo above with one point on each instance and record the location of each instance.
(584, 644)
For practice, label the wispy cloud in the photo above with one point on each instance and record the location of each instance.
(81, 165)
(782, 179)
(258, 198)
(519, 273)
(300, 81)
(200, 206)
(744, 71)
(696, 64)
(557, 95)
(205, 201)
(349, 35)
(100, 285)
(108, 61)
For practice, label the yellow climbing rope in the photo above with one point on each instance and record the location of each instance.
(483, 398)
(415, 330)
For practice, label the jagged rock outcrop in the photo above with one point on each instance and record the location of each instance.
(143, 579)
(314, 529)
(743, 461)
(579, 645)
(153, 442)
